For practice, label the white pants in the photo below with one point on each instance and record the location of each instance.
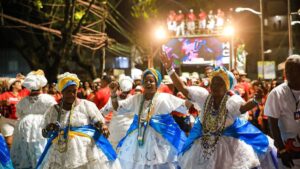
(7, 126)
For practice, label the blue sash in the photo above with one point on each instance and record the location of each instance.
(5, 161)
(240, 129)
(165, 125)
(101, 142)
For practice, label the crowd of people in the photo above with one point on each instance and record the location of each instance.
(200, 22)
(222, 120)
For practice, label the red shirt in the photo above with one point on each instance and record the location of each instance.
(202, 16)
(180, 18)
(102, 97)
(9, 111)
(243, 89)
(164, 89)
(191, 17)
(24, 92)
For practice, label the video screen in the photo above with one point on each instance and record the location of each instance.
(121, 62)
(198, 50)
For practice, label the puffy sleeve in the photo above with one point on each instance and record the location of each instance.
(272, 108)
(130, 104)
(166, 103)
(93, 112)
(48, 100)
(234, 104)
(198, 95)
(50, 116)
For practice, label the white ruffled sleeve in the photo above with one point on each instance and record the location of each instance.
(130, 104)
(234, 104)
(93, 112)
(198, 95)
(50, 116)
(166, 103)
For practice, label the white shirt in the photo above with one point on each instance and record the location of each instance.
(282, 105)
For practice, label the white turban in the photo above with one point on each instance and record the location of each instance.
(35, 80)
(126, 83)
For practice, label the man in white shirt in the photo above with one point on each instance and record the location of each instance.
(283, 109)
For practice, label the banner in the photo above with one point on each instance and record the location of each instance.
(269, 69)
(241, 58)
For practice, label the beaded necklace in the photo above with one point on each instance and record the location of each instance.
(144, 123)
(213, 124)
(63, 136)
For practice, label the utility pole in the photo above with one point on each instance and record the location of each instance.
(262, 38)
(290, 32)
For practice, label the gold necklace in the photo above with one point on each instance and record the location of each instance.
(213, 125)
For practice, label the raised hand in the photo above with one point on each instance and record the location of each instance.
(50, 129)
(166, 61)
(114, 87)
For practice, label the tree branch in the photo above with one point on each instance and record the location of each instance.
(53, 31)
(82, 18)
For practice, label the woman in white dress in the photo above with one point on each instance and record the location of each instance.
(119, 123)
(76, 132)
(153, 139)
(219, 138)
(28, 143)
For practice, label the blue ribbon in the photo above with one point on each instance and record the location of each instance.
(240, 129)
(101, 142)
(5, 161)
(165, 125)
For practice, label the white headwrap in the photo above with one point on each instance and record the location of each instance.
(126, 83)
(35, 80)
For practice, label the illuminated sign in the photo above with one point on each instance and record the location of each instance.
(198, 50)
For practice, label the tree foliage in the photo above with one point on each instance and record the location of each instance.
(144, 9)
(57, 35)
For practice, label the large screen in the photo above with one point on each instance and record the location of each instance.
(198, 50)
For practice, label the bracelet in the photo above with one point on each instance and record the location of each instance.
(282, 151)
(170, 71)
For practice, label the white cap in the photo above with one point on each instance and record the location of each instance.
(139, 88)
(136, 74)
(126, 83)
(242, 72)
(195, 75)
